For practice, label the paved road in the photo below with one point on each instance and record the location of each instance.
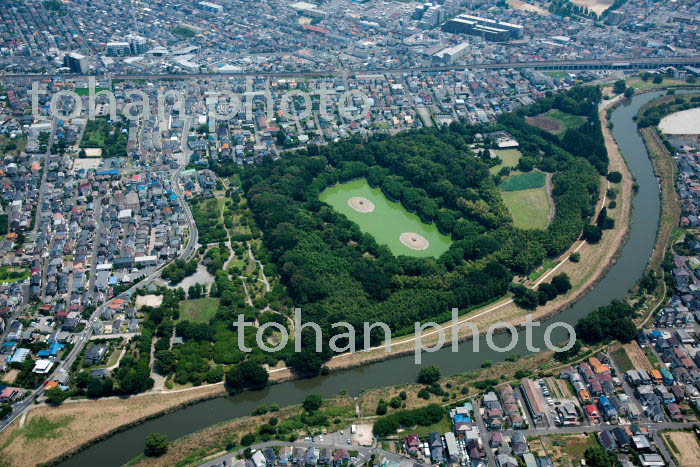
(33, 233)
(597, 428)
(82, 338)
(600, 64)
(364, 452)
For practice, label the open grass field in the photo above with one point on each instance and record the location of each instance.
(684, 447)
(524, 181)
(641, 85)
(200, 310)
(530, 208)
(555, 121)
(442, 426)
(622, 360)
(510, 158)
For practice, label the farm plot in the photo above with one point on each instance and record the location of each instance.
(555, 121)
(637, 356)
(684, 447)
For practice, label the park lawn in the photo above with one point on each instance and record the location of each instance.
(529, 208)
(566, 119)
(557, 74)
(510, 158)
(200, 310)
(524, 181)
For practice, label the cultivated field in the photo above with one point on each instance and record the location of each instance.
(684, 447)
(524, 181)
(555, 121)
(637, 356)
(564, 450)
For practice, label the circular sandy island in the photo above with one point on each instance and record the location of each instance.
(414, 241)
(361, 204)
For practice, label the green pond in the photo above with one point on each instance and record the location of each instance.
(387, 221)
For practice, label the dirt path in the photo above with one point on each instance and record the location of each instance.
(159, 384)
(262, 270)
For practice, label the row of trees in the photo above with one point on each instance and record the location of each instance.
(389, 424)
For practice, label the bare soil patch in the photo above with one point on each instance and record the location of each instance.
(684, 446)
(524, 6)
(596, 6)
(360, 204)
(414, 241)
(10, 376)
(545, 123)
(637, 356)
(148, 300)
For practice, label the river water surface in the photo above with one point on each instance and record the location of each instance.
(622, 276)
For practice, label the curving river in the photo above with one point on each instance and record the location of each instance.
(122, 447)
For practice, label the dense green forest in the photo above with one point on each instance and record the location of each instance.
(335, 272)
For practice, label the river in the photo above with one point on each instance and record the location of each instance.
(622, 276)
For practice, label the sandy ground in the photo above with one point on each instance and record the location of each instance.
(361, 204)
(524, 6)
(148, 300)
(687, 444)
(596, 6)
(84, 420)
(414, 241)
(10, 376)
(91, 163)
(685, 122)
(202, 276)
